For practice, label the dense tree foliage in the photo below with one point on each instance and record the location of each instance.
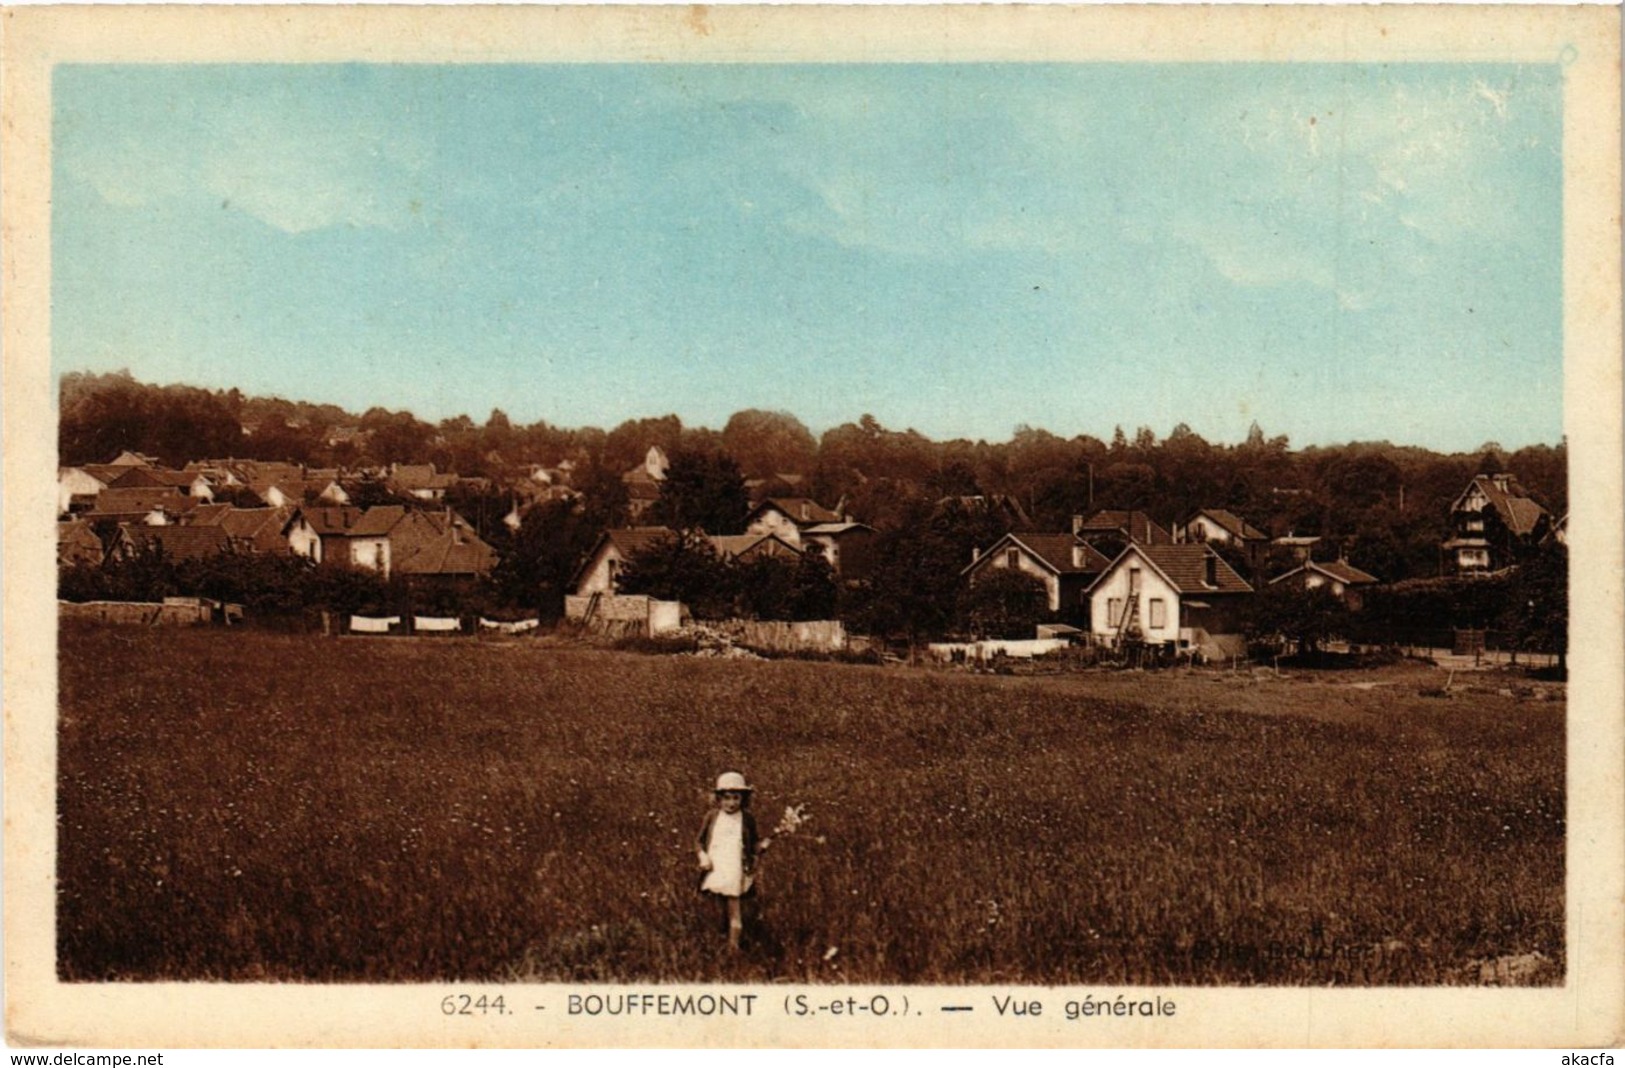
(1537, 612)
(536, 566)
(1299, 619)
(1003, 603)
(686, 567)
(269, 587)
(702, 491)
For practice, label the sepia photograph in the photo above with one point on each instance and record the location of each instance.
(680, 520)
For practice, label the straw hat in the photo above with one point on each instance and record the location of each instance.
(732, 782)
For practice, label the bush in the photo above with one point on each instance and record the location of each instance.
(1003, 603)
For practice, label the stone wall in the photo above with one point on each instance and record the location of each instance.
(624, 613)
(136, 613)
(819, 635)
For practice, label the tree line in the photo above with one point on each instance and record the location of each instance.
(1384, 506)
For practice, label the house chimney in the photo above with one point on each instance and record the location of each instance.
(1212, 569)
(1077, 525)
(975, 554)
(1502, 480)
(1078, 558)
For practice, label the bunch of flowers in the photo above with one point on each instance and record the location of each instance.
(795, 816)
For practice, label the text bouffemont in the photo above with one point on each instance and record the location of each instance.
(661, 1004)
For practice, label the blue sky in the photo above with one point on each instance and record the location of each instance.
(1340, 252)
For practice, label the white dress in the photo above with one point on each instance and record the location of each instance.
(727, 852)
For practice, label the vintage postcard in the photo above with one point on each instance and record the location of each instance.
(790, 526)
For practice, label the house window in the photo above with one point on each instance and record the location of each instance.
(1159, 613)
(1476, 523)
(1012, 558)
(1114, 612)
(614, 568)
(1133, 580)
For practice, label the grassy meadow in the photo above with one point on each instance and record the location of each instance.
(251, 806)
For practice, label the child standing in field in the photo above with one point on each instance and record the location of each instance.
(727, 849)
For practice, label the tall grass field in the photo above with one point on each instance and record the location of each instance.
(250, 806)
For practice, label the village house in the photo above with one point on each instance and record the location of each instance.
(355, 537)
(177, 543)
(1346, 582)
(1492, 523)
(848, 547)
(1219, 526)
(302, 538)
(1066, 565)
(439, 548)
(258, 531)
(1181, 596)
(421, 481)
(264, 472)
(643, 482)
(789, 518)
(149, 505)
(191, 483)
(1298, 546)
(131, 458)
(77, 487)
(529, 495)
(600, 572)
(77, 543)
(1110, 530)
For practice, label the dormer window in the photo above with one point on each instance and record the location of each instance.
(1012, 558)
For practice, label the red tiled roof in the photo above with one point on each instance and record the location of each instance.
(1057, 551)
(836, 529)
(378, 521)
(1345, 572)
(798, 510)
(248, 522)
(129, 500)
(209, 515)
(629, 540)
(1185, 566)
(741, 545)
(77, 543)
(1054, 551)
(132, 477)
(1525, 514)
(334, 520)
(104, 473)
(1517, 509)
(1136, 526)
(178, 542)
(1234, 524)
(435, 543)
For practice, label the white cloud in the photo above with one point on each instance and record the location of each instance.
(304, 176)
(295, 172)
(1251, 255)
